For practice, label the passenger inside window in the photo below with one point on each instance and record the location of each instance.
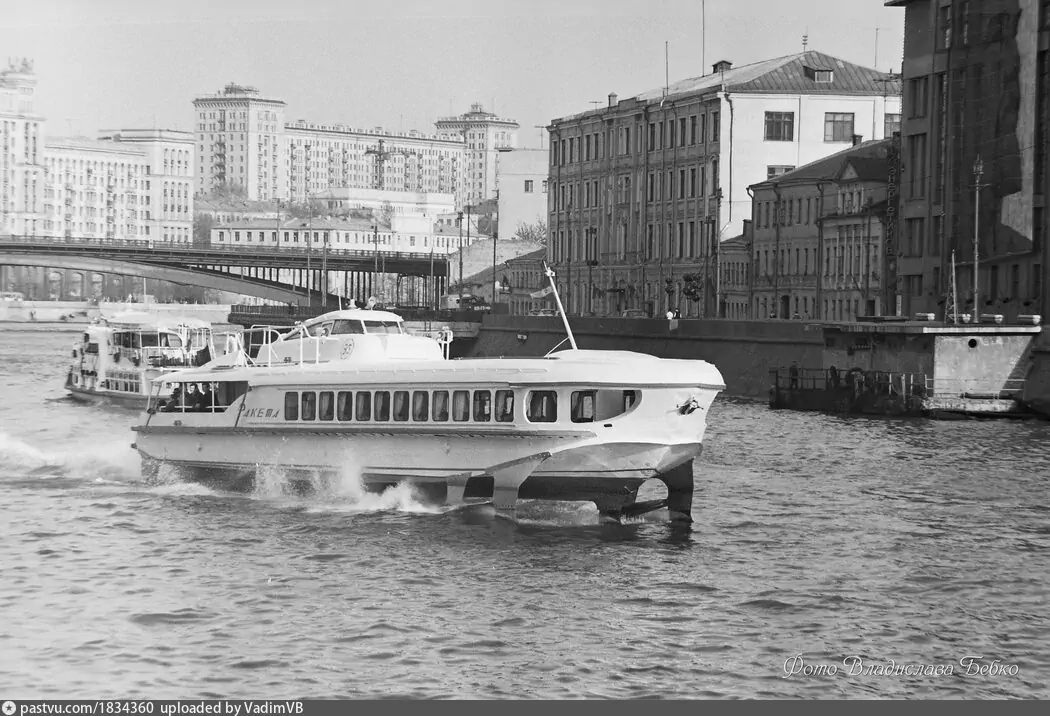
(440, 406)
(326, 406)
(482, 406)
(461, 406)
(401, 405)
(420, 405)
(543, 406)
(504, 406)
(345, 406)
(364, 406)
(382, 405)
(309, 406)
(582, 406)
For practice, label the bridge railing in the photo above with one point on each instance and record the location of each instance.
(176, 247)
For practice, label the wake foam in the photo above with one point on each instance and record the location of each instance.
(99, 462)
(342, 491)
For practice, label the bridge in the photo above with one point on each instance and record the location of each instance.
(289, 275)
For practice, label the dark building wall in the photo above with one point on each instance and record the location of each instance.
(975, 83)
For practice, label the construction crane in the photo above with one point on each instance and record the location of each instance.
(381, 156)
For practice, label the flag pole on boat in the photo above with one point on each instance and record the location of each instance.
(561, 309)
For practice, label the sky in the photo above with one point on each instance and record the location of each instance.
(401, 64)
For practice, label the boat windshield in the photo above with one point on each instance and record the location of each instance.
(162, 340)
(344, 326)
(383, 327)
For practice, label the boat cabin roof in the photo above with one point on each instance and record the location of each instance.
(612, 368)
(359, 314)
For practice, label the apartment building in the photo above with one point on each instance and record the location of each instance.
(642, 190)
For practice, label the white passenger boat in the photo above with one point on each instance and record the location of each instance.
(351, 391)
(117, 359)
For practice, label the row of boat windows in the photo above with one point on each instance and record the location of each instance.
(479, 406)
(124, 386)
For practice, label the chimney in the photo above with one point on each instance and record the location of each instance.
(722, 66)
(857, 139)
(612, 99)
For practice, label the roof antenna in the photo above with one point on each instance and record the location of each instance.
(667, 70)
(805, 40)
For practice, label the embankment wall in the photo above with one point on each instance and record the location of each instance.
(744, 351)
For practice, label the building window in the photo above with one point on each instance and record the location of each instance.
(777, 169)
(780, 126)
(838, 126)
(528, 186)
(891, 124)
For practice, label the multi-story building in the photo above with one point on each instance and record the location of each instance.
(94, 190)
(521, 190)
(818, 237)
(243, 142)
(484, 134)
(397, 203)
(337, 234)
(320, 157)
(166, 206)
(527, 279)
(734, 264)
(21, 152)
(239, 136)
(643, 188)
(974, 153)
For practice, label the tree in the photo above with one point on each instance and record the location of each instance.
(693, 287)
(202, 224)
(532, 232)
(308, 210)
(226, 191)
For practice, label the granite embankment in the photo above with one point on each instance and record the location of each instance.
(1037, 379)
(744, 351)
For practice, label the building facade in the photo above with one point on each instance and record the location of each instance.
(818, 238)
(397, 203)
(642, 190)
(976, 86)
(337, 234)
(239, 138)
(244, 142)
(22, 163)
(321, 157)
(734, 264)
(94, 190)
(483, 134)
(526, 278)
(521, 189)
(167, 186)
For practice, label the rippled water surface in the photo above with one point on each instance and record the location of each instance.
(902, 544)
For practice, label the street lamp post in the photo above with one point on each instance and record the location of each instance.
(978, 170)
(459, 220)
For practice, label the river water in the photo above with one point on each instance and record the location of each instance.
(832, 558)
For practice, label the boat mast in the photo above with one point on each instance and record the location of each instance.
(561, 309)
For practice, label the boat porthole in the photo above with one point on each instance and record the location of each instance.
(607, 425)
(972, 343)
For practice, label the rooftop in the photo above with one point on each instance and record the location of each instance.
(869, 159)
(800, 73)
